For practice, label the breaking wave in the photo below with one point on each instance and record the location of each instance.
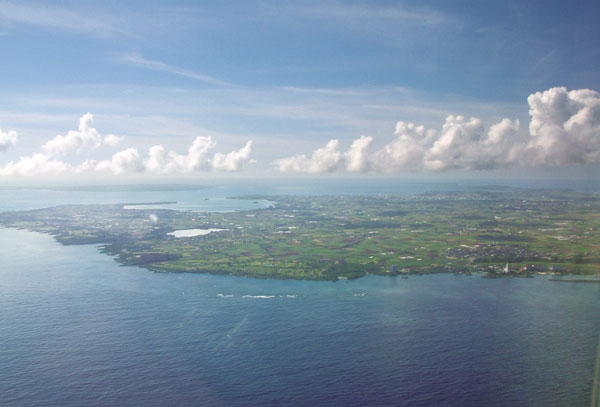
(258, 296)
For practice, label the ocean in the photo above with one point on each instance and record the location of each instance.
(76, 328)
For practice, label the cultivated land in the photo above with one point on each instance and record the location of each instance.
(337, 237)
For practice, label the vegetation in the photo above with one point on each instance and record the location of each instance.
(332, 237)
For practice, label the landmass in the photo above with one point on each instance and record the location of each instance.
(502, 233)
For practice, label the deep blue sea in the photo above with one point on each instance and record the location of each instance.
(77, 329)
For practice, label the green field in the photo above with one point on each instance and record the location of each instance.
(332, 237)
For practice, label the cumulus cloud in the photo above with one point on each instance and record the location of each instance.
(357, 156)
(565, 127)
(564, 130)
(198, 158)
(76, 140)
(233, 161)
(325, 159)
(123, 162)
(406, 151)
(463, 144)
(8, 139)
(330, 158)
(127, 161)
(159, 161)
(35, 164)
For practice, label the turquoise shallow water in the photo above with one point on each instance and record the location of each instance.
(78, 329)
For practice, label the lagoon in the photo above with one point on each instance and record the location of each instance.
(193, 232)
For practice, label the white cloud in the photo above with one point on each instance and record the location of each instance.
(406, 151)
(83, 138)
(233, 161)
(8, 139)
(123, 162)
(196, 159)
(325, 159)
(356, 158)
(36, 164)
(565, 127)
(564, 130)
(127, 161)
(161, 162)
(501, 132)
(330, 158)
(462, 144)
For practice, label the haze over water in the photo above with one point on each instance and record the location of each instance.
(78, 329)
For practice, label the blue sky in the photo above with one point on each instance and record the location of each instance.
(290, 77)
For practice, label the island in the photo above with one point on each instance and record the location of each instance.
(502, 232)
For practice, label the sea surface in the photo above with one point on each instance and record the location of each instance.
(78, 329)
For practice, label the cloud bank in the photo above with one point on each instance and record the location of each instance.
(127, 161)
(564, 130)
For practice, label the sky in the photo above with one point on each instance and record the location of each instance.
(161, 90)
